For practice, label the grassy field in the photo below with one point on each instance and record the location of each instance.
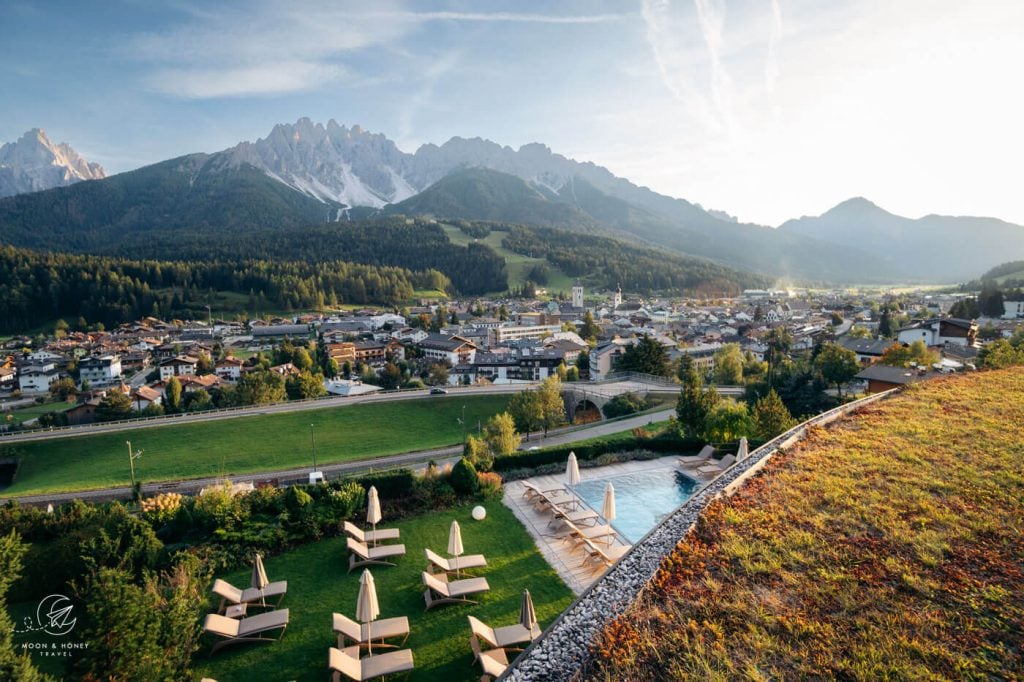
(886, 546)
(516, 264)
(318, 585)
(247, 444)
(24, 414)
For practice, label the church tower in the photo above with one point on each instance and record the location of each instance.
(577, 295)
(617, 298)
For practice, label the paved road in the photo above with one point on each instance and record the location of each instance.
(414, 460)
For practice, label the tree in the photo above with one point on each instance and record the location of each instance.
(478, 453)
(526, 411)
(646, 356)
(63, 389)
(552, 409)
(205, 364)
(917, 353)
(172, 395)
(583, 362)
(778, 342)
(858, 332)
(152, 410)
(771, 417)
(885, 329)
(623, 404)
(114, 406)
(990, 302)
(390, 376)
(301, 359)
(753, 369)
(500, 434)
(197, 401)
(590, 329)
(260, 388)
(695, 404)
(727, 422)
(437, 375)
(13, 666)
(999, 354)
(729, 365)
(837, 364)
(965, 308)
(464, 479)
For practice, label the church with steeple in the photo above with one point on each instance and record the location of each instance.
(617, 297)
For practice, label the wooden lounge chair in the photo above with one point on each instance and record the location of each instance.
(370, 536)
(493, 661)
(461, 563)
(442, 591)
(229, 594)
(374, 632)
(530, 491)
(347, 662)
(545, 504)
(718, 467)
(604, 556)
(703, 456)
(594, 533)
(249, 629)
(499, 638)
(361, 555)
(577, 517)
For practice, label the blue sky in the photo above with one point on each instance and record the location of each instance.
(768, 109)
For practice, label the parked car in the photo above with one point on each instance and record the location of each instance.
(438, 391)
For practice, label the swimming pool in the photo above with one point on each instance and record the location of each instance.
(642, 498)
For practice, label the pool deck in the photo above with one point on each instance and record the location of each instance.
(558, 552)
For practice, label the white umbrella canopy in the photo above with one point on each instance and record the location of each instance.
(527, 614)
(608, 507)
(367, 608)
(373, 514)
(455, 539)
(572, 470)
(259, 574)
(744, 450)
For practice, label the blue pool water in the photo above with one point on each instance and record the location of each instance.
(642, 499)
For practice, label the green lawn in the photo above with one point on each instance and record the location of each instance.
(319, 585)
(516, 264)
(24, 414)
(248, 444)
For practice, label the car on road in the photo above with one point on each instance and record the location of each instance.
(438, 391)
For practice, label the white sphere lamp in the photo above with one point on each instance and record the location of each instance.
(479, 513)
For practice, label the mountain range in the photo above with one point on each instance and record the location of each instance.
(310, 172)
(34, 163)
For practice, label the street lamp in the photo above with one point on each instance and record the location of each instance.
(131, 461)
(463, 422)
(314, 476)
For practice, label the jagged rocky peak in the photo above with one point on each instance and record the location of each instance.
(34, 163)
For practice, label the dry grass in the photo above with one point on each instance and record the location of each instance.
(886, 546)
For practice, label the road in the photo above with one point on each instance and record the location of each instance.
(414, 460)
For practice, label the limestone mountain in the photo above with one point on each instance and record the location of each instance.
(34, 163)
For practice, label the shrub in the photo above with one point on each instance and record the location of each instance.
(464, 478)
(624, 404)
(396, 484)
(478, 453)
(489, 485)
(162, 508)
(218, 508)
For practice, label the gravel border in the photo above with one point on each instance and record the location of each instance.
(564, 647)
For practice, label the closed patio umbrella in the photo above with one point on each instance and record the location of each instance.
(744, 450)
(572, 470)
(608, 507)
(259, 574)
(373, 514)
(455, 543)
(367, 608)
(527, 614)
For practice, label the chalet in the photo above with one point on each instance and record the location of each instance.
(135, 361)
(454, 350)
(342, 353)
(100, 370)
(939, 332)
(883, 377)
(229, 369)
(144, 396)
(8, 377)
(37, 378)
(370, 353)
(867, 350)
(191, 382)
(182, 365)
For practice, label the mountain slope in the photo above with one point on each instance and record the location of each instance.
(956, 247)
(35, 163)
(190, 192)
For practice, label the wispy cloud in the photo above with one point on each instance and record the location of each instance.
(711, 19)
(512, 17)
(771, 67)
(423, 97)
(262, 79)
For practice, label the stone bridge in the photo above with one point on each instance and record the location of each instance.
(588, 395)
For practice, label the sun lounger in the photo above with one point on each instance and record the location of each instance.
(347, 662)
(499, 638)
(575, 534)
(442, 591)
(576, 517)
(494, 661)
(229, 594)
(604, 556)
(375, 632)
(719, 467)
(542, 503)
(461, 563)
(370, 536)
(361, 555)
(249, 629)
(703, 456)
(531, 491)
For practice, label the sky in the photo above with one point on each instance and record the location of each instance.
(766, 109)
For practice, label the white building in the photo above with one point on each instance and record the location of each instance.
(37, 378)
(577, 295)
(500, 335)
(1014, 309)
(181, 365)
(100, 370)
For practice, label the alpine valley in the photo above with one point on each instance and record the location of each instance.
(339, 184)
